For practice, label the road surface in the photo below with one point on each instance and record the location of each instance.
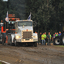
(32, 55)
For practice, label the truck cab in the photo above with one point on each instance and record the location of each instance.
(10, 27)
(24, 33)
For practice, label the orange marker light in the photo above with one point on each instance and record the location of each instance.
(26, 29)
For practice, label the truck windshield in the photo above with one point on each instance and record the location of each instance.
(10, 25)
(25, 23)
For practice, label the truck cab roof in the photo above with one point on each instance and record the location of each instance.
(23, 20)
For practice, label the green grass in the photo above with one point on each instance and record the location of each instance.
(60, 45)
(0, 63)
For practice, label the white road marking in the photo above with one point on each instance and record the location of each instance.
(4, 62)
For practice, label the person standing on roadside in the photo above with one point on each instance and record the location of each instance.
(49, 38)
(56, 34)
(50, 35)
(53, 37)
(59, 33)
(6, 40)
(40, 38)
(43, 39)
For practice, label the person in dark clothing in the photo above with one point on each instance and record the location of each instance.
(40, 38)
(3, 38)
(49, 38)
(59, 33)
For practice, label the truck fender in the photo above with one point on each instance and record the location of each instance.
(12, 38)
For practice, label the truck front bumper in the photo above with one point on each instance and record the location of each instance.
(35, 40)
(18, 40)
(26, 40)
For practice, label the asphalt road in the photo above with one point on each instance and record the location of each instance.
(32, 55)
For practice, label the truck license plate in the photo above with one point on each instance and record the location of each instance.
(27, 39)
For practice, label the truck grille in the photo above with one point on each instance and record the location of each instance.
(27, 35)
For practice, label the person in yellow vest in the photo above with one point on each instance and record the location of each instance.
(56, 34)
(43, 39)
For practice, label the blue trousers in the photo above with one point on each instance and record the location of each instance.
(43, 42)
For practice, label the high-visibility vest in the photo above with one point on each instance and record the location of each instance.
(50, 36)
(42, 37)
(2, 30)
(45, 35)
(56, 35)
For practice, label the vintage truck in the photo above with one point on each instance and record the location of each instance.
(24, 33)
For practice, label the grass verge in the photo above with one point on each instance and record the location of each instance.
(60, 45)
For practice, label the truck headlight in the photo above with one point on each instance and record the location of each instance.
(17, 37)
(35, 36)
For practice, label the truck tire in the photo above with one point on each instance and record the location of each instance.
(11, 41)
(35, 44)
(16, 43)
(62, 39)
(57, 40)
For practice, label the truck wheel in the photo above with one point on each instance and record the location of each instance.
(57, 41)
(11, 41)
(35, 44)
(16, 43)
(62, 39)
